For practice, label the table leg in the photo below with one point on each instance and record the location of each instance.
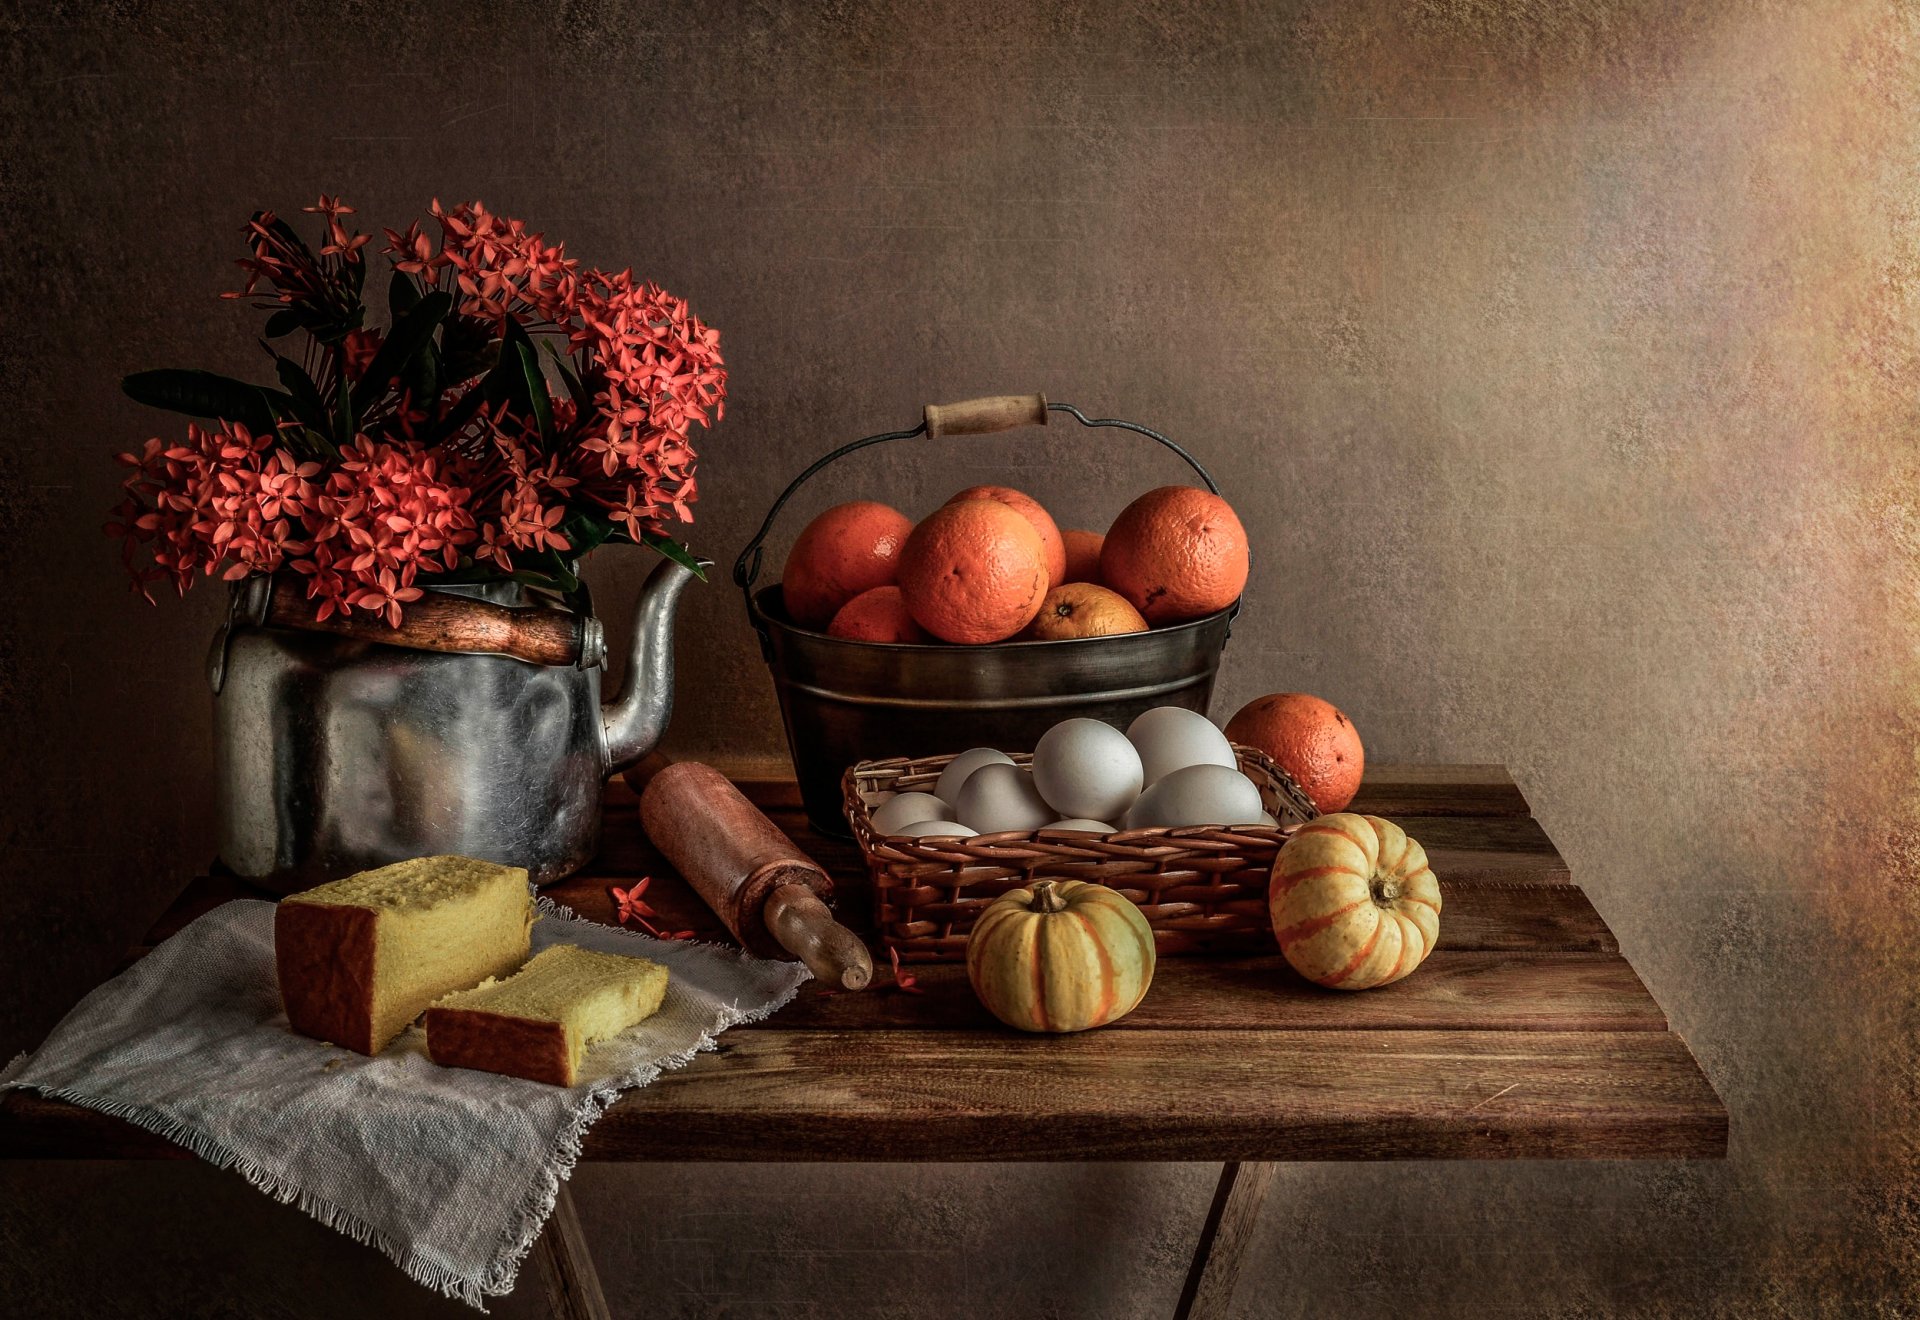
(566, 1267)
(1216, 1260)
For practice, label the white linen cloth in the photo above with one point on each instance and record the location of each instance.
(450, 1172)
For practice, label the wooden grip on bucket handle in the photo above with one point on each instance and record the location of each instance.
(996, 412)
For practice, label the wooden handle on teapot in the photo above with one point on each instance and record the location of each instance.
(769, 893)
(999, 412)
(441, 623)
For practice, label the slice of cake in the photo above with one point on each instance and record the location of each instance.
(361, 957)
(538, 1022)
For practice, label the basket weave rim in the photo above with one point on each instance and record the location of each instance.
(1136, 842)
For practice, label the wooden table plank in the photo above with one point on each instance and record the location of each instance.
(1451, 992)
(1440, 790)
(1141, 1095)
(1149, 1095)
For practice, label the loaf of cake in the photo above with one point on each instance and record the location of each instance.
(360, 958)
(539, 1022)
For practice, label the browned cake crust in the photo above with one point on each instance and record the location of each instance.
(325, 957)
(494, 1042)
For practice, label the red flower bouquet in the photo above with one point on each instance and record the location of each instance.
(516, 412)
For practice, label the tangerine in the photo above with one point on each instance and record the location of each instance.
(1084, 609)
(1177, 553)
(1032, 510)
(974, 571)
(879, 615)
(1308, 737)
(1083, 555)
(849, 549)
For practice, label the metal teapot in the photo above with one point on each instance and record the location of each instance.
(476, 728)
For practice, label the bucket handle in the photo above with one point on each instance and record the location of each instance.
(972, 417)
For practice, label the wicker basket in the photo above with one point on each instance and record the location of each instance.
(1203, 888)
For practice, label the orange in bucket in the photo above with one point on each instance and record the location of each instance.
(879, 615)
(1030, 509)
(973, 572)
(1083, 555)
(849, 549)
(1084, 609)
(1177, 553)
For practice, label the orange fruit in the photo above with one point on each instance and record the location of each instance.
(1030, 509)
(1310, 739)
(1177, 553)
(1083, 609)
(1083, 555)
(879, 615)
(849, 549)
(973, 572)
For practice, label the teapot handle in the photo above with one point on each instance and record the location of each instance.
(435, 622)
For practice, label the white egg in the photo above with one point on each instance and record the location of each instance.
(1086, 769)
(1264, 818)
(935, 829)
(1171, 738)
(963, 765)
(1001, 797)
(908, 809)
(1084, 826)
(1197, 795)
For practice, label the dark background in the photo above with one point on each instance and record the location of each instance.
(1559, 358)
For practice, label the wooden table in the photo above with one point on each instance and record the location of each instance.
(1524, 1035)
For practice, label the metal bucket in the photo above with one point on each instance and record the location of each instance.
(846, 701)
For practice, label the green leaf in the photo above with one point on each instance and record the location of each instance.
(283, 322)
(205, 394)
(421, 379)
(407, 337)
(585, 530)
(344, 423)
(524, 382)
(460, 414)
(675, 551)
(402, 294)
(308, 406)
(582, 397)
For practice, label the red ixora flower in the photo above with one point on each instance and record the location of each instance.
(368, 489)
(225, 498)
(628, 906)
(383, 515)
(906, 981)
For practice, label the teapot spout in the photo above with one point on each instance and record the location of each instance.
(632, 724)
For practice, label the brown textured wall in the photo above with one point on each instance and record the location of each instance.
(1560, 357)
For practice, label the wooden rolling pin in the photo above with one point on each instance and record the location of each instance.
(772, 896)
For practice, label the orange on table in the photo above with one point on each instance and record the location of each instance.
(1177, 553)
(849, 549)
(973, 572)
(1308, 737)
(1084, 609)
(1030, 509)
(1083, 555)
(879, 615)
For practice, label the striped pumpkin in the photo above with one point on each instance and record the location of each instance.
(1354, 902)
(1061, 955)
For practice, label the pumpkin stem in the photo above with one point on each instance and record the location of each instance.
(1386, 890)
(1046, 897)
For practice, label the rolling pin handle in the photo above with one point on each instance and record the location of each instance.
(801, 923)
